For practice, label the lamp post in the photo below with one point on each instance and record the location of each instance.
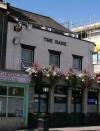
(41, 126)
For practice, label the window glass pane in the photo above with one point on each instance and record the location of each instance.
(60, 107)
(43, 105)
(27, 54)
(92, 108)
(78, 107)
(54, 59)
(60, 104)
(92, 100)
(3, 90)
(72, 107)
(77, 63)
(15, 91)
(36, 101)
(2, 106)
(15, 107)
(51, 59)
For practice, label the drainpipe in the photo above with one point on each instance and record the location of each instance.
(3, 33)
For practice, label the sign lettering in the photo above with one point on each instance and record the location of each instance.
(14, 77)
(49, 40)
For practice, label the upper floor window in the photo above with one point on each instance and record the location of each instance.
(77, 62)
(54, 58)
(27, 56)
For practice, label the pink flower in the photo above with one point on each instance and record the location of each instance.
(53, 67)
(70, 70)
(87, 83)
(35, 65)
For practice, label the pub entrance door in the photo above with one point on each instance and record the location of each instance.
(40, 104)
(76, 107)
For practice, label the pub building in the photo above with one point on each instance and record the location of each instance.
(28, 37)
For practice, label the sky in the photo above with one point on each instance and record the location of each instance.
(75, 12)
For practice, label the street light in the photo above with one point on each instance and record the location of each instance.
(41, 118)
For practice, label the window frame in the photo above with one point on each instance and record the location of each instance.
(91, 95)
(7, 96)
(55, 53)
(79, 58)
(28, 48)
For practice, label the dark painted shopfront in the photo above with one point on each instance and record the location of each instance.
(63, 106)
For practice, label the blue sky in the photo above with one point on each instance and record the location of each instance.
(73, 11)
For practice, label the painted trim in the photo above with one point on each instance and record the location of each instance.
(26, 106)
(3, 83)
(26, 90)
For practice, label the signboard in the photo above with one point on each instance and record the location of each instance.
(95, 58)
(99, 59)
(3, 5)
(14, 77)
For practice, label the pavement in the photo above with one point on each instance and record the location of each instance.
(90, 128)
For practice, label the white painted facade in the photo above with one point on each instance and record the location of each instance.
(35, 37)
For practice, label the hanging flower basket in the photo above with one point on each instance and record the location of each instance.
(71, 78)
(98, 78)
(35, 73)
(52, 74)
(85, 79)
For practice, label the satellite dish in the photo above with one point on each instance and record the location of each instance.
(16, 40)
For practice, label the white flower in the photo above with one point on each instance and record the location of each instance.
(48, 75)
(67, 78)
(54, 73)
(28, 70)
(80, 75)
(30, 73)
(32, 70)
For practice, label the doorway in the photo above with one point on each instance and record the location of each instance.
(40, 103)
(76, 116)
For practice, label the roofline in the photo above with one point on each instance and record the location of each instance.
(29, 12)
(86, 27)
(62, 33)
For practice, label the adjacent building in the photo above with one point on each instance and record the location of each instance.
(91, 32)
(27, 37)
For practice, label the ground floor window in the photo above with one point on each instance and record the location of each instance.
(11, 101)
(92, 100)
(60, 99)
(60, 104)
(41, 104)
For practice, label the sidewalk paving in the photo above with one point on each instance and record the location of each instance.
(90, 128)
